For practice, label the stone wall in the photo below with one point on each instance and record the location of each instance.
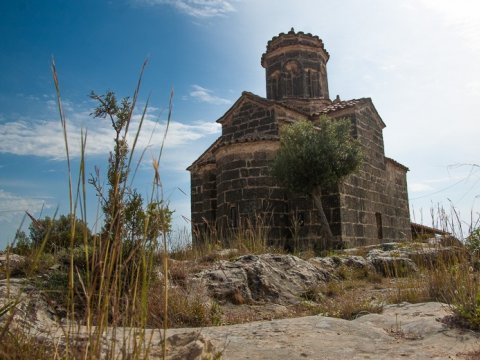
(233, 190)
(295, 67)
(249, 119)
(373, 207)
(246, 195)
(203, 200)
(397, 225)
(236, 192)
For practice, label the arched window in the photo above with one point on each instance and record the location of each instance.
(293, 78)
(273, 83)
(313, 83)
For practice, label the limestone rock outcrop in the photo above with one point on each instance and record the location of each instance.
(403, 331)
(262, 278)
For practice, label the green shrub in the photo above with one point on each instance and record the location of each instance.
(55, 234)
(22, 245)
(473, 243)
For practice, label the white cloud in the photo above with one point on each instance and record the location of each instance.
(419, 187)
(12, 205)
(196, 8)
(462, 16)
(205, 95)
(45, 138)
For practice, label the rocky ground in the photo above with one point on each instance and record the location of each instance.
(403, 331)
(263, 299)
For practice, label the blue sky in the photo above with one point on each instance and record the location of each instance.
(417, 59)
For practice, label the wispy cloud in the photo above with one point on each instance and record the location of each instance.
(45, 138)
(463, 16)
(205, 95)
(419, 187)
(12, 205)
(439, 183)
(196, 8)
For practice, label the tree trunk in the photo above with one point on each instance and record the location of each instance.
(325, 231)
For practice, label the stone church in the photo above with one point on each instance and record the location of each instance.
(231, 188)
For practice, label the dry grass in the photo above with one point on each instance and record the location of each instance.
(189, 306)
(341, 299)
(106, 284)
(247, 238)
(16, 345)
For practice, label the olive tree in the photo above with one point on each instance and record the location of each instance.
(316, 156)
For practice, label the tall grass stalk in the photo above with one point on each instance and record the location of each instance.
(157, 185)
(63, 122)
(116, 279)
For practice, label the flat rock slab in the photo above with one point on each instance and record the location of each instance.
(404, 331)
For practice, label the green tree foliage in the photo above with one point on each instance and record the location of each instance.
(146, 224)
(113, 205)
(134, 217)
(21, 244)
(160, 220)
(56, 233)
(313, 157)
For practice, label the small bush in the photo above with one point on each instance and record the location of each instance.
(35, 263)
(56, 234)
(22, 244)
(313, 293)
(473, 243)
(464, 295)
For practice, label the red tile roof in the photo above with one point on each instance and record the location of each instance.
(340, 105)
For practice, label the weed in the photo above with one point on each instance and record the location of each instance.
(314, 293)
(16, 345)
(473, 243)
(348, 307)
(189, 306)
(409, 289)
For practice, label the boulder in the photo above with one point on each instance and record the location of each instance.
(356, 262)
(332, 264)
(12, 263)
(189, 346)
(391, 263)
(328, 263)
(422, 254)
(27, 308)
(429, 256)
(252, 279)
